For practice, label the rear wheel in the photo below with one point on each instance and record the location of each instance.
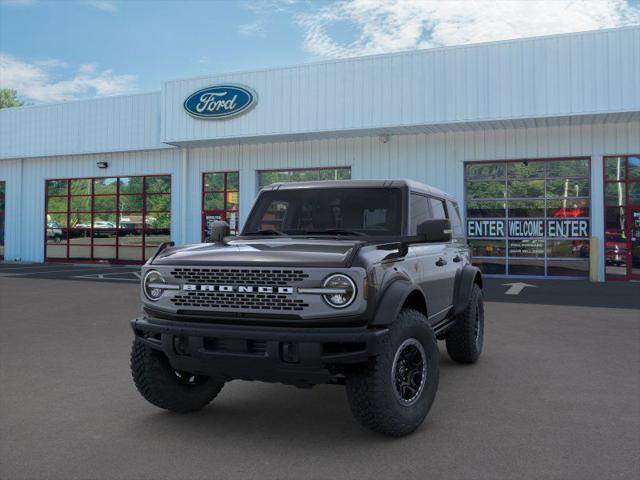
(394, 392)
(465, 338)
(165, 387)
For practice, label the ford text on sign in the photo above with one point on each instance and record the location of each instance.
(535, 228)
(220, 101)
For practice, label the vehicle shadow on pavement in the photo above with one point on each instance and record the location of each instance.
(276, 413)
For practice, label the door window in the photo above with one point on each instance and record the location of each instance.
(220, 200)
(456, 223)
(267, 177)
(419, 212)
(622, 217)
(2, 209)
(437, 208)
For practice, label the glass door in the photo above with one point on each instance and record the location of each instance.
(622, 217)
(2, 189)
(220, 195)
(634, 243)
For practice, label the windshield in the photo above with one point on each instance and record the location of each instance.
(337, 211)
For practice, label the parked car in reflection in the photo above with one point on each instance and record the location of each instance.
(80, 230)
(570, 212)
(615, 249)
(130, 225)
(103, 228)
(54, 232)
(580, 248)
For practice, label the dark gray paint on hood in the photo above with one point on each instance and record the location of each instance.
(288, 252)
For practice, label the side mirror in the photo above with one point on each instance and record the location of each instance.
(436, 231)
(218, 230)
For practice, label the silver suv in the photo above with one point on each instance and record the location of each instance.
(347, 282)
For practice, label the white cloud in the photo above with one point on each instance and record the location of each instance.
(51, 63)
(264, 10)
(269, 6)
(388, 25)
(252, 29)
(104, 5)
(36, 81)
(87, 68)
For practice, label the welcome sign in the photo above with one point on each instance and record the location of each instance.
(528, 228)
(220, 101)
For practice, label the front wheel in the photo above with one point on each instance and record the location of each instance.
(165, 387)
(394, 392)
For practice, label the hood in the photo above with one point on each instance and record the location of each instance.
(263, 252)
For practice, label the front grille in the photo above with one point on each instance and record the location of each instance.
(236, 301)
(238, 276)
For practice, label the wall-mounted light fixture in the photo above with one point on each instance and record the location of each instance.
(102, 164)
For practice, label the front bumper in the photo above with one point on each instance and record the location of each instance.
(298, 356)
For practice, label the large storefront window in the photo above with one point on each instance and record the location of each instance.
(2, 210)
(622, 217)
(220, 199)
(107, 219)
(267, 177)
(529, 217)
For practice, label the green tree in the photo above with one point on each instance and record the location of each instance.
(8, 98)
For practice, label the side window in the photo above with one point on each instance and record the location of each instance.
(437, 207)
(419, 211)
(456, 223)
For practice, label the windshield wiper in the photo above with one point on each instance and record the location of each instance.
(265, 232)
(335, 231)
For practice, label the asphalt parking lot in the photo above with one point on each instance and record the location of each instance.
(556, 395)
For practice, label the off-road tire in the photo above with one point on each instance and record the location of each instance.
(371, 387)
(162, 386)
(464, 342)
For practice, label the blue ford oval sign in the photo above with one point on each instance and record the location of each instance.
(220, 101)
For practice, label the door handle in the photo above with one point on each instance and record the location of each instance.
(441, 262)
(457, 258)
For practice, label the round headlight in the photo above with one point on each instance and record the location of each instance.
(150, 285)
(343, 291)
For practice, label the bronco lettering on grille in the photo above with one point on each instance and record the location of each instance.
(237, 288)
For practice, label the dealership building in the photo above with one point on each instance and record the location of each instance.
(538, 139)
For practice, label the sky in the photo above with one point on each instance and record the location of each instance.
(60, 50)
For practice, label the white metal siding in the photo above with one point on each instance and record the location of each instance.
(25, 201)
(437, 158)
(90, 126)
(547, 77)
(434, 158)
(11, 174)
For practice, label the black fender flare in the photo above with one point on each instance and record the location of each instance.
(392, 301)
(465, 278)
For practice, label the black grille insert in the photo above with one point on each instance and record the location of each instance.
(238, 276)
(238, 301)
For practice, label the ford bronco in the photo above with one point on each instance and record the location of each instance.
(342, 282)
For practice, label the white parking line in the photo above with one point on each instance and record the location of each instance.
(34, 267)
(103, 276)
(107, 279)
(15, 274)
